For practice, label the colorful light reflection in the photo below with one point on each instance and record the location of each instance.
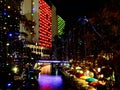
(49, 82)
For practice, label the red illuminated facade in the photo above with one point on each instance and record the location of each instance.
(45, 31)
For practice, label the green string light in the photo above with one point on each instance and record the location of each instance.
(32, 14)
(8, 16)
(5, 23)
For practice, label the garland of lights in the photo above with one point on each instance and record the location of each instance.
(9, 26)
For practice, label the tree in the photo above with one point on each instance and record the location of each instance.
(108, 24)
(9, 26)
(57, 47)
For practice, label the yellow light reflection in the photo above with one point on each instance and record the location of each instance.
(46, 69)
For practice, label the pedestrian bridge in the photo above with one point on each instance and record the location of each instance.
(52, 61)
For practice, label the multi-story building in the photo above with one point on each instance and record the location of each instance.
(43, 14)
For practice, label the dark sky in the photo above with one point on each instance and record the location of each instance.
(70, 10)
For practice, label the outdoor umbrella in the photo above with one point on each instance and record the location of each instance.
(91, 80)
(95, 83)
(84, 77)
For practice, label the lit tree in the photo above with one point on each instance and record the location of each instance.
(10, 19)
(9, 26)
(9, 32)
(107, 23)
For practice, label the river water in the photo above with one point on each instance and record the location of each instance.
(51, 81)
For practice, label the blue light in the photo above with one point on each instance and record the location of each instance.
(10, 34)
(33, 8)
(52, 61)
(17, 33)
(4, 13)
(83, 20)
(80, 19)
(9, 84)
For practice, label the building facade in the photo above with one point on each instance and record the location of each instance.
(43, 14)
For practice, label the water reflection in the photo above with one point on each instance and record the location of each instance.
(51, 79)
(50, 82)
(46, 69)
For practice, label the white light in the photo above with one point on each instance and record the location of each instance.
(7, 44)
(99, 69)
(15, 69)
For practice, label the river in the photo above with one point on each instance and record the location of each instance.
(51, 81)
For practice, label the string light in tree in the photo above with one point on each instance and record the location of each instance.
(9, 23)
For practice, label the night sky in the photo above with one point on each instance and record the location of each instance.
(70, 10)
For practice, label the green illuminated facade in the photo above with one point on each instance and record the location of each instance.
(61, 25)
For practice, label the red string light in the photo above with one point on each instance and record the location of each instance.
(45, 25)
